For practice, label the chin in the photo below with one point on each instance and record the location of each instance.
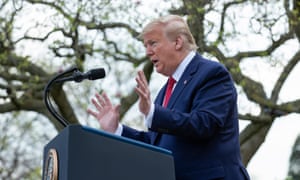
(159, 71)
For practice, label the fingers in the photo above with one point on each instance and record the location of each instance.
(142, 85)
(101, 99)
(97, 103)
(106, 99)
(100, 102)
(91, 112)
(141, 80)
(143, 91)
(106, 114)
(142, 76)
(98, 107)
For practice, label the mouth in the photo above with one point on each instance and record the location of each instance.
(154, 61)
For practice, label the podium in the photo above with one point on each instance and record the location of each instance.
(84, 153)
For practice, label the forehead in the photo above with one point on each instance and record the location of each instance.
(153, 33)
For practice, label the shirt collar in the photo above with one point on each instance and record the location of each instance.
(180, 69)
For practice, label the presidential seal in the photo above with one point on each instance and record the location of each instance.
(51, 166)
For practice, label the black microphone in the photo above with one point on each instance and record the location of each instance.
(78, 76)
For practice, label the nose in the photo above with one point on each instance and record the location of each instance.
(149, 51)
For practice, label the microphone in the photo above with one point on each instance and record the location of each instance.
(78, 76)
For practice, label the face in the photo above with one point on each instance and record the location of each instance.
(161, 51)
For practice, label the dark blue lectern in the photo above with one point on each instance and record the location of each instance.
(84, 153)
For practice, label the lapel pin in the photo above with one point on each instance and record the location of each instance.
(185, 81)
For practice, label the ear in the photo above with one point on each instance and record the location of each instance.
(179, 43)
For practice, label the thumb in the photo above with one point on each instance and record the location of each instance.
(117, 108)
(117, 112)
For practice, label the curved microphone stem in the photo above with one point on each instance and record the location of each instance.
(47, 99)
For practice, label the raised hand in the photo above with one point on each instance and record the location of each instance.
(143, 91)
(107, 114)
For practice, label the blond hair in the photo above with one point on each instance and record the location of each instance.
(174, 26)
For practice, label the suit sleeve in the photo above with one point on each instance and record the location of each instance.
(205, 107)
(137, 135)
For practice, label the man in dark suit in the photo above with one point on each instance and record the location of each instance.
(198, 122)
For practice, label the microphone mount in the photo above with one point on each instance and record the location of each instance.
(77, 76)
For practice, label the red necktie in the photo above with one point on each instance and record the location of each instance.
(170, 86)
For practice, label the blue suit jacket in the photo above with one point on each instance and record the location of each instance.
(200, 124)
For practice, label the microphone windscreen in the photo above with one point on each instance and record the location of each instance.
(96, 74)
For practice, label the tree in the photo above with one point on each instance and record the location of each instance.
(79, 31)
(294, 169)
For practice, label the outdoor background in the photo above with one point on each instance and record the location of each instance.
(257, 40)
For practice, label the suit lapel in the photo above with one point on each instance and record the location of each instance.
(186, 77)
(181, 84)
(160, 96)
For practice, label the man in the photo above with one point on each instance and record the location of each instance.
(199, 122)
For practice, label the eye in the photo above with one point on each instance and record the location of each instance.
(152, 43)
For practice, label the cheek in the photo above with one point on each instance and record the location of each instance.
(164, 53)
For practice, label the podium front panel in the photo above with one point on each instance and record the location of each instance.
(86, 154)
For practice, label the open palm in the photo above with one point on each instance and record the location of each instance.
(107, 114)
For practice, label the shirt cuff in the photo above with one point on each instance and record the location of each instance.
(149, 117)
(119, 130)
